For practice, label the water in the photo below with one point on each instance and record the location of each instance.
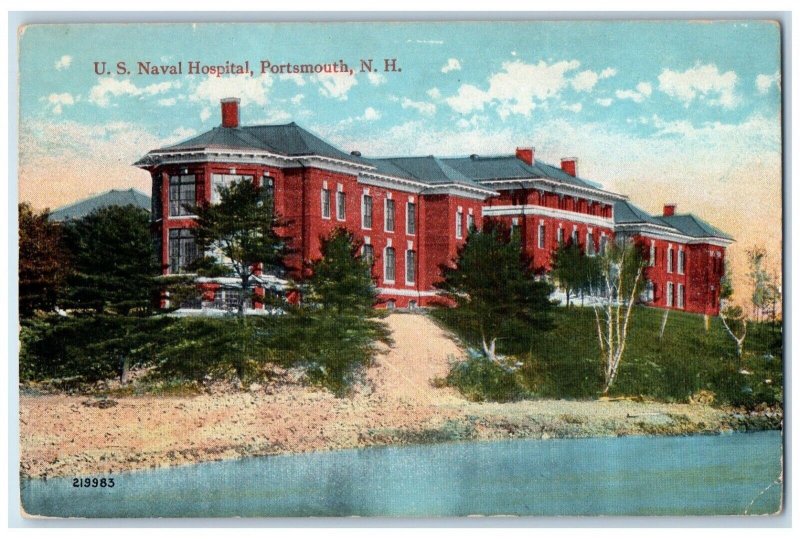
(700, 475)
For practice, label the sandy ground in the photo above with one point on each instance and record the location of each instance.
(61, 436)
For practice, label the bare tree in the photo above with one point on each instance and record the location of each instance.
(734, 320)
(618, 286)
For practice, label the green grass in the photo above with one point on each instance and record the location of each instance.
(565, 361)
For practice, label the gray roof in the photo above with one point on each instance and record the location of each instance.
(82, 208)
(693, 226)
(290, 140)
(687, 224)
(425, 169)
(509, 167)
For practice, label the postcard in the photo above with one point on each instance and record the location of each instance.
(411, 269)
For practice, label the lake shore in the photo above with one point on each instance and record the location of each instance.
(74, 436)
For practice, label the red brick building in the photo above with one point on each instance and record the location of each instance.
(412, 213)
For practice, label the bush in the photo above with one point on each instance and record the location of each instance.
(481, 379)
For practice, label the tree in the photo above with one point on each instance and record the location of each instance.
(759, 279)
(572, 270)
(621, 269)
(114, 261)
(43, 261)
(735, 322)
(341, 279)
(491, 281)
(239, 236)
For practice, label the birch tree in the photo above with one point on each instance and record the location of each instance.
(618, 285)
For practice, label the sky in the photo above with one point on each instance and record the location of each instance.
(680, 112)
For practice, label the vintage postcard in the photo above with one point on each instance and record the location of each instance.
(429, 269)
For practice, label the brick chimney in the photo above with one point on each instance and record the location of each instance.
(570, 165)
(526, 154)
(230, 112)
(669, 209)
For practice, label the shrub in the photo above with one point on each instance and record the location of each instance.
(481, 379)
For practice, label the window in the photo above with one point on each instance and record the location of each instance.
(670, 293)
(389, 215)
(326, 203)
(541, 236)
(681, 261)
(340, 209)
(652, 253)
(267, 192)
(470, 223)
(411, 218)
(155, 203)
(514, 227)
(182, 249)
(560, 235)
(388, 265)
(459, 224)
(603, 243)
(181, 195)
(590, 244)
(391, 304)
(412, 305)
(649, 294)
(219, 181)
(411, 266)
(669, 260)
(366, 211)
(368, 253)
(681, 296)
(575, 236)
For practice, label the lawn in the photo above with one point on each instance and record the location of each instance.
(564, 361)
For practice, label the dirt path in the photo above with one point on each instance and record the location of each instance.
(421, 352)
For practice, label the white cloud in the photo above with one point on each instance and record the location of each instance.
(293, 77)
(335, 85)
(516, 89)
(608, 73)
(765, 82)
(205, 114)
(643, 90)
(249, 90)
(426, 109)
(575, 107)
(604, 101)
(274, 116)
(167, 102)
(183, 133)
(434, 93)
(64, 62)
(371, 114)
(703, 82)
(584, 81)
(108, 87)
(58, 101)
(451, 65)
(376, 79)
(296, 100)
(426, 41)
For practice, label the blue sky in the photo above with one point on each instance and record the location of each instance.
(685, 112)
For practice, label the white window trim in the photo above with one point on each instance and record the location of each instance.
(540, 236)
(410, 202)
(459, 224)
(363, 211)
(322, 203)
(652, 261)
(386, 215)
(343, 218)
(410, 283)
(681, 261)
(681, 303)
(385, 266)
(670, 258)
(670, 294)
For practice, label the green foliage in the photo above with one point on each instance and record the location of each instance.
(241, 231)
(43, 262)
(563, 363)
(341, 280)
(572, 270)
(86, 349)
(493, 283)
(481, 379)
(114, 261)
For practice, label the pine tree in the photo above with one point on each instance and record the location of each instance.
(43, 262)
(493, 284)
(572, 270)
(241, 234)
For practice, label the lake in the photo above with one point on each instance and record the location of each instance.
(697, 475)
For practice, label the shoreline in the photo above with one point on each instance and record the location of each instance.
(127, 451)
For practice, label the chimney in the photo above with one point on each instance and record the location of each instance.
(570, 165)
(526, 154)
(669, 209)
(230, 112)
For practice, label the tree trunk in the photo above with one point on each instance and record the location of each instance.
(124, 368)
(567, 297)
(489, 349)
(663, 324)
(242, 294)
